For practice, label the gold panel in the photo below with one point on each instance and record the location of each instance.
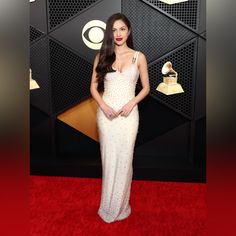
(83, 118)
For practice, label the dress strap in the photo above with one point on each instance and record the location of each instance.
(135, 58)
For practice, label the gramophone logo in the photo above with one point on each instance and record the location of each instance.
(93, 34)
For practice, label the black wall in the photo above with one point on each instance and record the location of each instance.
(171, 139)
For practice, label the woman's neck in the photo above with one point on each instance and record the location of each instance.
(120, 49)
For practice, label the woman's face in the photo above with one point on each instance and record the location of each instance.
(120, 32)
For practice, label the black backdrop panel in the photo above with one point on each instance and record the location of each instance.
(39, 63)
(70, 76)
(60, 11)
(38, 15)
(156, 119)
(172, 145)
(62, 65)
(185, 12)
(154, 33)
(200, 99)
(202, 16)
(71, 32)
(35, 34)
(203, 35)
(183, 60)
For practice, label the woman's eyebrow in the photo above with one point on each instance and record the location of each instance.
(120, 27)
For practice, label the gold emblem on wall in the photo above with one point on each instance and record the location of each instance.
(95, 34)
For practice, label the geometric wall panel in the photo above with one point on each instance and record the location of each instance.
(185, 12)
(203, 35)
(82, 117)
(200, 97)
(183, 60)
(60, 11)
(38, 15)
(34, 34)
(173, 144)
(70, 33)
(155, 34)
(40, 98)
(62, 66)
(156, 119)
(202, 16)
(70, 77)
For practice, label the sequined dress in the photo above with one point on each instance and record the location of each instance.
(117, 139)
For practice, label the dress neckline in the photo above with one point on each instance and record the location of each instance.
(127, 67)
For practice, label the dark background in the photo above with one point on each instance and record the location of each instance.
(171, 143)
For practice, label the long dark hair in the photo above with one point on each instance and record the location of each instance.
(107, 55)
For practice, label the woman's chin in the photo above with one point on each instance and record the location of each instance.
(119, 43)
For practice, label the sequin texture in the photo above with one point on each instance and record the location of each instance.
(117, 139)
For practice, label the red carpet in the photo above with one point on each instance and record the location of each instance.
(65, 206)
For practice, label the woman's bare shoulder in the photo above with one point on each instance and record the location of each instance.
(141, 54)
(141, 57)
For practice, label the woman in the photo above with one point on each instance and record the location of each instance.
(120, 66)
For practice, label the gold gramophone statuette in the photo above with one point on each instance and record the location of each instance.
(169, 85)
(33, 83)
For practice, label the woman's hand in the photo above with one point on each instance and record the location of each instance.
(127, 108)
(108, 111)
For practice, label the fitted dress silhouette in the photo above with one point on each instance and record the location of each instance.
(117, 139)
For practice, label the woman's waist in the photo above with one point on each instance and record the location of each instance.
(117, 101)
(134, 112)
(119, 97)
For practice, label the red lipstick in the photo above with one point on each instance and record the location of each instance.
(119, 39)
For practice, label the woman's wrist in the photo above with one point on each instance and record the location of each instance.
(102, 104)
(134, 101)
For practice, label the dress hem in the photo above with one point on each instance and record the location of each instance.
(107, 218)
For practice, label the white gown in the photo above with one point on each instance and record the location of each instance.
(117, 140)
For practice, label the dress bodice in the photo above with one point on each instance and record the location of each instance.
(119, 86)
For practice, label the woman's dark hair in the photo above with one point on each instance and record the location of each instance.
(107, 55)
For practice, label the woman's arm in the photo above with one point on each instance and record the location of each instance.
(143, 72)
(108, 111)
(94, 83)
